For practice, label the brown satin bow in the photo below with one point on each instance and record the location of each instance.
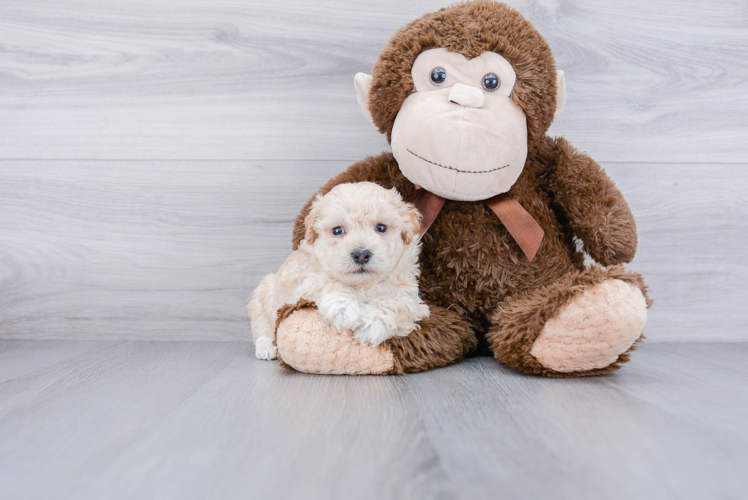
(524, 229)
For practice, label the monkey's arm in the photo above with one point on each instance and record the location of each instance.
(381, 169)
(596, 210)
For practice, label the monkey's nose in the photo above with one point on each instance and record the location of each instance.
(361, 256)
(466, 95)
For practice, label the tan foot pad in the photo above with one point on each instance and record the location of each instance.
(592, 330)
(307, 343)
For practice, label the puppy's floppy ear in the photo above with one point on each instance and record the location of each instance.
(412, 223)
(309, 220)
(311, 234)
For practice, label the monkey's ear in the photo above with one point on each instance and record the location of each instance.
(560, 93)
(362, 82)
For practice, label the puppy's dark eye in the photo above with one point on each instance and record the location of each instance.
(338, 230)
(491, 82)
(438, 76)
(381, 228)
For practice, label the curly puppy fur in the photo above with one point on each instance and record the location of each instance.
(471, 267)
(363, 278)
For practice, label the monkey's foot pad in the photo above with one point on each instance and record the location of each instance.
(592, 330)
(307, 343)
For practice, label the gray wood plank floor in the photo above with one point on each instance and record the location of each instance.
(108, 419)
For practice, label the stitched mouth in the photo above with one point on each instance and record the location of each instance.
(456, 169)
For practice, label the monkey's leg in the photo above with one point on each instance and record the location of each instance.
(583, 324)
(308, 344)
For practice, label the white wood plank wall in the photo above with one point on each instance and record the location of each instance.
(153, 154)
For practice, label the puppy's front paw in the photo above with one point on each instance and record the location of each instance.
(340, 311)
(373, 332)
(265, 349)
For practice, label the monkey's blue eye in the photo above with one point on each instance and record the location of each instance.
(438, 76)
(491, 82)
(381, 228)
(337, 230)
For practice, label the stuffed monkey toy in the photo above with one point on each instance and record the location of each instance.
(465, 96)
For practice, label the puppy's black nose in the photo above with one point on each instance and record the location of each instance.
(361, 256)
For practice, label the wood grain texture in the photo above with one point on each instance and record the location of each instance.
(103, 247)
(692, 222)
(195, 420)
(206, 420)
(173, 250)
(590, 438)
(155, 250)
(647, 81)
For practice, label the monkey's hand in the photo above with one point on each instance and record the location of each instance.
(596, 210)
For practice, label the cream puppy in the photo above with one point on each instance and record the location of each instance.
(358, 262)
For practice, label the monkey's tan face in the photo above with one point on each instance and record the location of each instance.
(460, 135)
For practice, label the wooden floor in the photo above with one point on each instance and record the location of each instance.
(182, 420)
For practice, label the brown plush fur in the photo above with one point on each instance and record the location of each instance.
(471, 267)
(521, 318)
(443, 339)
